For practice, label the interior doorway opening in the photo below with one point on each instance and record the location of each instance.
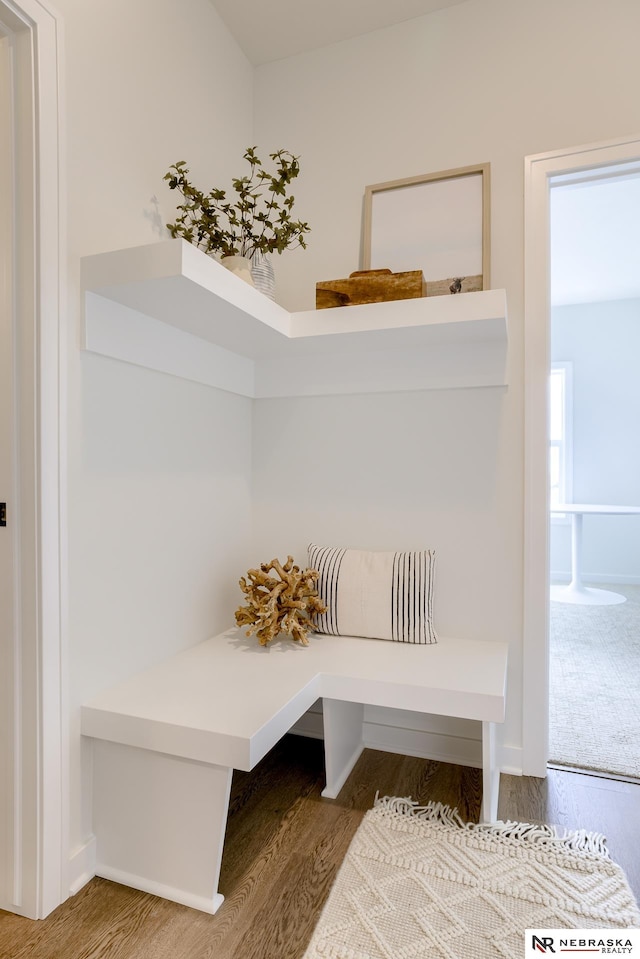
(594, 467)
(540, 171)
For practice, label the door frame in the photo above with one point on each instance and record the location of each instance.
(40, 739)
(538, 171)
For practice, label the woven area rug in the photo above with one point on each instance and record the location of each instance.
(418, 883)
(594, 695)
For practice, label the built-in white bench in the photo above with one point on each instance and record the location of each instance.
(166, 742)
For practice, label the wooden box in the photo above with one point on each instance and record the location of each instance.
(370, 286)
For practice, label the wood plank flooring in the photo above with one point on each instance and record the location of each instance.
(284, 846)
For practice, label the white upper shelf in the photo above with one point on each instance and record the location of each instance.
(169, 307)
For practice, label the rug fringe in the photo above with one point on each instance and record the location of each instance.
(579, 840)
(432, 812)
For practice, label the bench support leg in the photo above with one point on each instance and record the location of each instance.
(160, 822)
(342, 742)
(490, 774)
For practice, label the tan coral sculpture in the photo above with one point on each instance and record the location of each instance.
(284, 605)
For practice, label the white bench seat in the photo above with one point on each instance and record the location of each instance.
(166, 741)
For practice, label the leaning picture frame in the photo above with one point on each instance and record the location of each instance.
(438, 222)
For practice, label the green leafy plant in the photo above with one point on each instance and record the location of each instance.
(256, 219)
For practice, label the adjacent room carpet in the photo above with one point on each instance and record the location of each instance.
(417, 882)
(594, 694)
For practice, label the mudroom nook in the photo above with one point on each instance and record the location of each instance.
(186, 723)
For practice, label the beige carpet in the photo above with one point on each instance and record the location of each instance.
(416, 882)
(594, 694)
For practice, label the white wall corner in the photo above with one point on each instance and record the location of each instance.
(309, 725)
(82, 865)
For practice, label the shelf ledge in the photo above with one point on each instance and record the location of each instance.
(169, 307)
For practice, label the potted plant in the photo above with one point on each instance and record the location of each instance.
(254, 222)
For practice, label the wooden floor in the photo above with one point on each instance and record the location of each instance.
(284, 845)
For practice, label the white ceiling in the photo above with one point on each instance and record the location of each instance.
(282, 28)
(595, 239)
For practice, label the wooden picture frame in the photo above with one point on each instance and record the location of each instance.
(439, 223)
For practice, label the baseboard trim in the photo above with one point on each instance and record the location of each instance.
(82, 865)
(202, 903)
(457, 750)
(511, 760)
(423, 745)
(332, 791)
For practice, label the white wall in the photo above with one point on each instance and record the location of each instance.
(397, 471)
(602, 340)
(390, 471)
(158, 467)
(486, 80)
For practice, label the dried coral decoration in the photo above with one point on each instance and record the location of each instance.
(287, 604)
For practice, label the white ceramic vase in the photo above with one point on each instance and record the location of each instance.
(240, 265)
(262, 273)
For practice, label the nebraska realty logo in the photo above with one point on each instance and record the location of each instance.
(604, 942)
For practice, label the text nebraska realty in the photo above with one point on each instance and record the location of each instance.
(606, 946)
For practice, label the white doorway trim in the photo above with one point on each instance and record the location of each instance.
(538, 172)
(39, 735)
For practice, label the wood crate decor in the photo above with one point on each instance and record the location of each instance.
(370, 286)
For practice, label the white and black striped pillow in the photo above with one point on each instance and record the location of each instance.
(382, 595)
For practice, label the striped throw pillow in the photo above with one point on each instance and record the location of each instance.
(381, 595)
